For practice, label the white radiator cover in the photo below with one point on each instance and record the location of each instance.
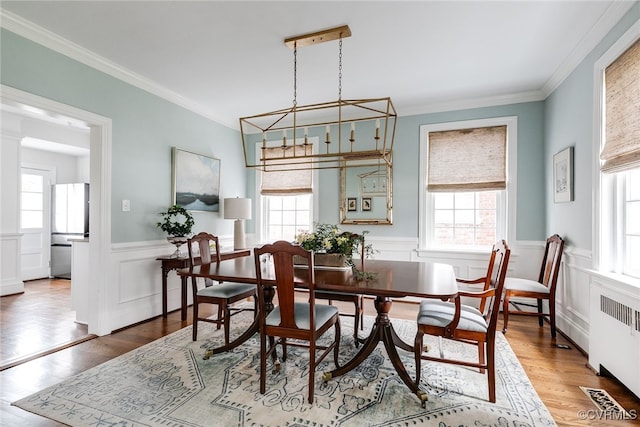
(614, 342)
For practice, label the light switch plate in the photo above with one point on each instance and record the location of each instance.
(126, 205)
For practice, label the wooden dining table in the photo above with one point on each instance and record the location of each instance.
(386, 280)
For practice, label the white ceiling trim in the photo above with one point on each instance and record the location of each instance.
(63, 46)
(46, 38)
(491, 101)
(608, 20)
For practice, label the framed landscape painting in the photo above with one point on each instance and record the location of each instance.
(195, 181)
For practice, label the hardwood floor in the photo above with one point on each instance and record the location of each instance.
(37, 320)
(555, 373)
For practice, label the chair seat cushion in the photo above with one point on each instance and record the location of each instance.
(226, 290)
(512, 283)
(301, 312)
(440, 313)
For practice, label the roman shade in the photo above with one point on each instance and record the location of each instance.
(622, 112)
(290, 178)
(467, 159)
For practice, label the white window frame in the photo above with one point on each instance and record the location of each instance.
(261, 206)
(608, 212)
(506, 219)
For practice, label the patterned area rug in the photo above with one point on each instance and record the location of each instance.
(167, 383)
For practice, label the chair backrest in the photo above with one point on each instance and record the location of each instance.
(551, 262)
(282, 253)
(489, 279)
(203, 242)
(501, 254)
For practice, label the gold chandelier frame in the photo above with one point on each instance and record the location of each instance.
(350, 129)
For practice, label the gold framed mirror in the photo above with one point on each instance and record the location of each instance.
(366, 190)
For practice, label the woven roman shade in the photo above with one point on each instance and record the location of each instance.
(288, 179)
(622, 112)
(467, 159)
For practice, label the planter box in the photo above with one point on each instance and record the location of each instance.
(328, 260)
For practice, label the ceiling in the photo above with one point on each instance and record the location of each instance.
(226, 60)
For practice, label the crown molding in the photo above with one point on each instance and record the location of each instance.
(37, 34)
(48, 39)
(466, 104)
(613, 14)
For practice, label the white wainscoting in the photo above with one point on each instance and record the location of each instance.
(572, 296)
(135, 293)
(10, 280)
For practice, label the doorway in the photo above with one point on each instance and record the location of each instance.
(99, 212)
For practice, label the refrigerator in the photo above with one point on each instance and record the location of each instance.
(69, 220)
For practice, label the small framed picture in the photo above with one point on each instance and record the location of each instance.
(563, 176)
(352, 204)
(366, 204)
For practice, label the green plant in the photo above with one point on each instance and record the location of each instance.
(329, 239)
(176, 221)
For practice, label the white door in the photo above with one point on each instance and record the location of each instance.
(35, 221)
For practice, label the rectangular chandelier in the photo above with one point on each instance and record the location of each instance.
(344, 129)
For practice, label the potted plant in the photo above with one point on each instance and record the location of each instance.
(334, 247)
(177, 223)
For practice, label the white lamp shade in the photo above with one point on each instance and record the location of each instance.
(237, 208)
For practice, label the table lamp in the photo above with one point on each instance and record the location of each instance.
(238, 209)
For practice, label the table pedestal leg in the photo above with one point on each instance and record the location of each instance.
(382, 331)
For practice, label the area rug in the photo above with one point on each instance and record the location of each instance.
(167, 383)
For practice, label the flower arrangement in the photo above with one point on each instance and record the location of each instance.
(329, 239)
(176, 221)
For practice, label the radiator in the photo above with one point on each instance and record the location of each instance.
(614, 338)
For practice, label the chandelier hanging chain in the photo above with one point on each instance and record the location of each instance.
(340, 69)
(295, 74)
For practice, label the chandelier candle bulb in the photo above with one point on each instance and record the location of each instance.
(327, 130)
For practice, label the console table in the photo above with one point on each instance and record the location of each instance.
(169, 263)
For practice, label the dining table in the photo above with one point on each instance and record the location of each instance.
(384, 280)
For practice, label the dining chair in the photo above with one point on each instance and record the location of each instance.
(542, 289)
(303, 322)
(356, 299)
(456, 321)
(223, 294)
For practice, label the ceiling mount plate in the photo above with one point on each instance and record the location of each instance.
(318, 37)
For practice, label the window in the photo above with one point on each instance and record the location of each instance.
(32, 201)
(464, 168)
(465, 219)
(286, 200)
(618, 154)
(286, 216)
